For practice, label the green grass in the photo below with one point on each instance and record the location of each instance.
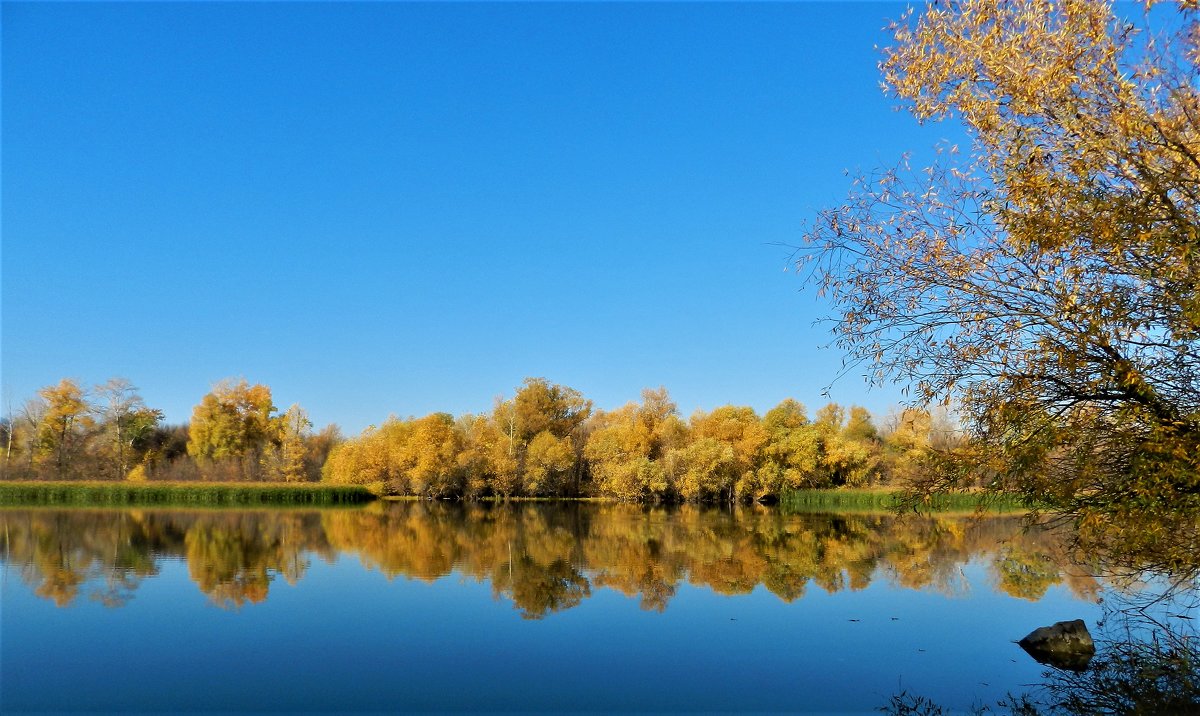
(243, 494)
(883, 500)
(191, 494)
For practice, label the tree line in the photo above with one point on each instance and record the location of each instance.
(547, 440)
(109, 433)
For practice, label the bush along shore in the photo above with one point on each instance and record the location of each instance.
(198, 494)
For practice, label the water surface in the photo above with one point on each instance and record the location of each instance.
(546, 607)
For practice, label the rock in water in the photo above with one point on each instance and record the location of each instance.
(1065, 645)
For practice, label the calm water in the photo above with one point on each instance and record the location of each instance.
(430, 607)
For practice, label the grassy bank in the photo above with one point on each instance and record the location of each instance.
(882, 500)
(250, 494)
(194, 494)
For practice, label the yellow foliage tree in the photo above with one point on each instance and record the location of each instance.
(626, 447)
(543, 406)
(430, 459)
(370, 459)
(548, 461)
(293, 427)
(741, 430)
(706, 470)
(233, 423)
(791, 456)
(64, 424)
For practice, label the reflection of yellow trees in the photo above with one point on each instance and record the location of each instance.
(1026, 574)
(60, 554)
(539, 588)
(627, 550)
(234, 557)
(929, 557)
(545, 558)
(647, 553)
(395, 543)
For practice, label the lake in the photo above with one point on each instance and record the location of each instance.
(417, 606)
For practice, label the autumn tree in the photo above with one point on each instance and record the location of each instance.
(489, 457)
(792, 454)
(318, 447)
(8, 436)
(429, 460)
(126, 421)
(641, 452)
(64, 423)
(909, 444)
(548, 463)
(705, 470)
(1047, 279)
(849, 446)
(422, 456)
(373, 458)
(626, 447)
(166, 450)
(541, 411)
(293, 429)
(500, 450)
(854, 457)
(20, 438)
(540, 405)
(29, 427)
(233, 424)
(740, 429)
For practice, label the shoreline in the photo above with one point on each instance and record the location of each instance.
(230, 495)
(33, 493)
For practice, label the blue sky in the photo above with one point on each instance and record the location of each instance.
(402, 208)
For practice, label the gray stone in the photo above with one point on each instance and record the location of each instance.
(1065, 645)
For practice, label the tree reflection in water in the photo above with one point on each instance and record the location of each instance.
(1147, 658)
(544, 558)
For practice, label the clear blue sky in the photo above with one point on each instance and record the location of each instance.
(402, 208)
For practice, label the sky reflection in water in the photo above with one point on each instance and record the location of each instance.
(417, 606)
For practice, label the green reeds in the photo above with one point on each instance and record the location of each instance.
(197, 494)
(861, 500)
